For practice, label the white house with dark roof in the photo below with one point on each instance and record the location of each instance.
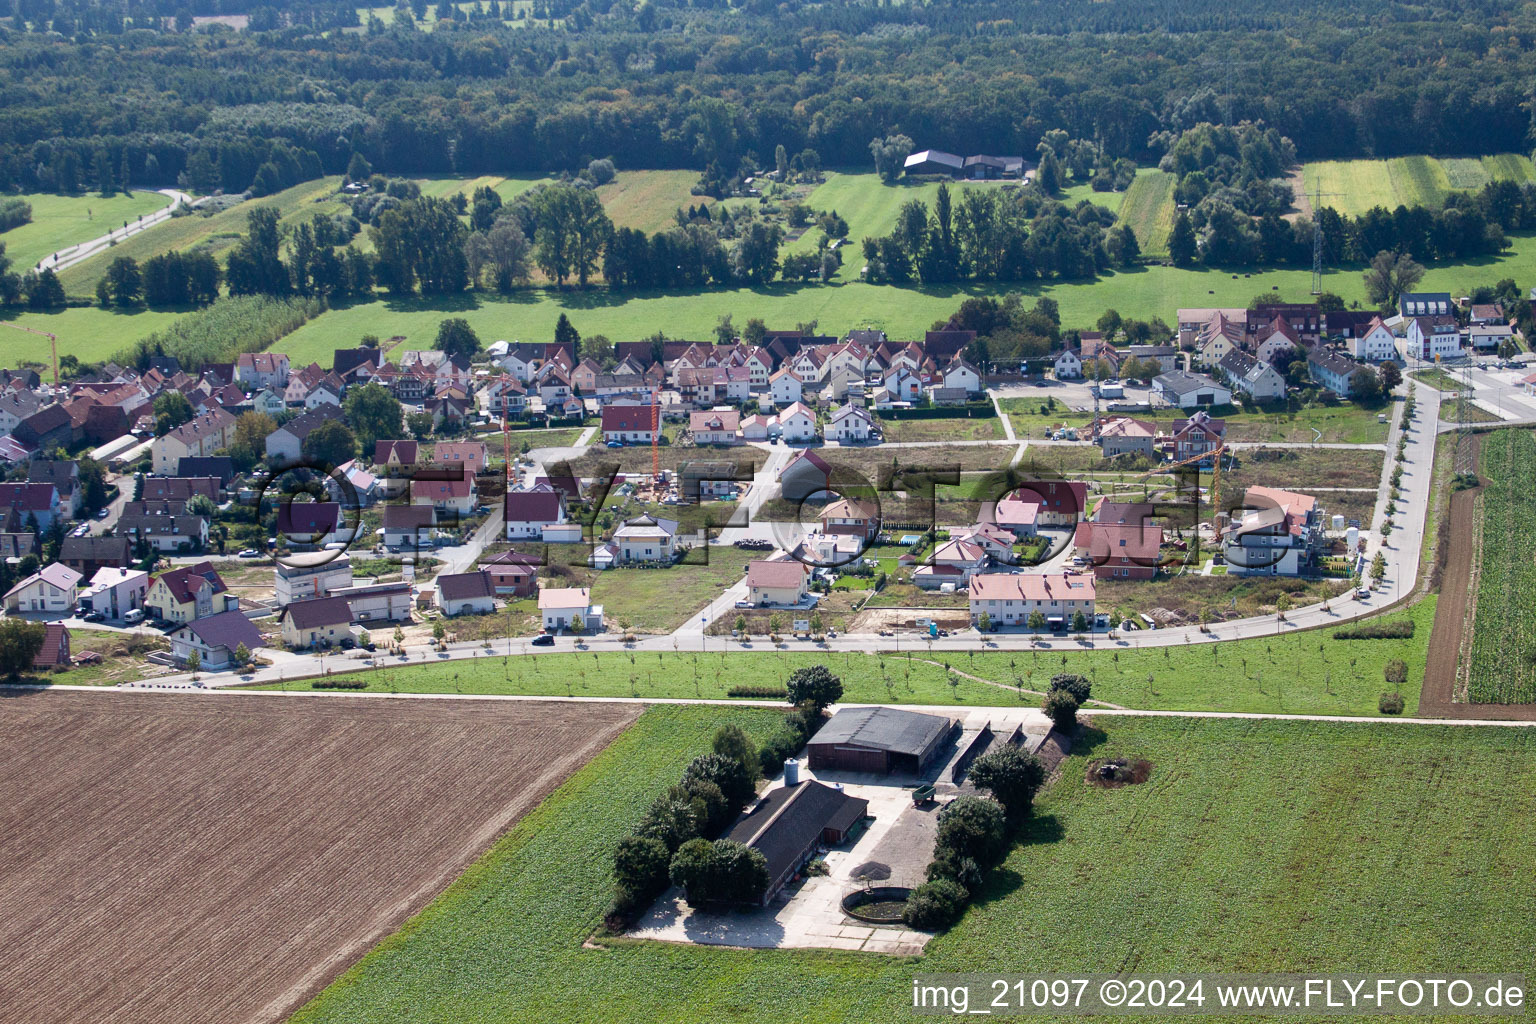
(215, 639)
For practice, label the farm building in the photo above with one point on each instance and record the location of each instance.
(878, 739)
(790, 823)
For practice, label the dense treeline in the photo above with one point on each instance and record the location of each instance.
(123, 93)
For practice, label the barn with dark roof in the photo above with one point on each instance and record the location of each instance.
(881, 740)
(790, 823)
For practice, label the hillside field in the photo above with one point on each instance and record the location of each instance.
(89, 333)
(1254, 846)
(1148, 209)
(59, 222)
(1408, 180)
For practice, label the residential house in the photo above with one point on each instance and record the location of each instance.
(325, 392)
(408, 527)
(202, 435)
(1375, 342)
(311, 524)
(464, 593)
(1333, 370)
(356, 364)
(569, 608)
(1165, 356)
(776, 583)
(305, 576)
(1486, 314)
(1120, 551)
(16, 546)
(1252, 376)
(352, 485)
(378, 601)
(1279, 534)
(755, 427)
(903, 384)
(1062, 502)
(717, 426)
(584, 376)
(321, 622)
(394, 463)
(953, 561)
(21, 503)
(54, 654)
(446, 497)
(1093, 350)
(48, 428)
(87, 554)
(512, 574)
(257, 370)
(797, 423)
(1346, 324)
(215, 639)
(1018, 514)
(189, 592)
(52, 590)
(646, 539)
(1489, 337)
(786, 387)
(1068, 365)
(529, 512)
(469, 454)
(165, 533)
(1124, 435)
(219, 467)
(804, 476)
(65, 478)
(1190, 390)
(180, 488)
(1198, 435)
(1431, 304)
(1304, 318)
(627, 424)
(850, 424)
(115, 591)
(1274, 340)
(16, 406)
(1010, 599)
(1220, 335)
(855, 517)
(285, 445)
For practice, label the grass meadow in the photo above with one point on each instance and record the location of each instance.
(1253, 846)
(1408, 180)
(1305, 672)
(1148, 208)
(89, 333)
(59, 222)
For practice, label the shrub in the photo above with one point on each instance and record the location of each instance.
(722, 871)
(718, 812)
(640, 865)
(1012, 775)
(1078, 686)
(344, 683)
(1396, 671)
(934, 906)
(971, 827)
(675, 817)
(759, 692)
(1061, 707)
(816, 685)
(1397, 629)
(731, 741)
(726, 772)
(1390, 704)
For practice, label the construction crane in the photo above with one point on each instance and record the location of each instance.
(1214, 455)
(52, 340)
(655, 435)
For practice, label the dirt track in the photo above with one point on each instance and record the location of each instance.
(196, 859)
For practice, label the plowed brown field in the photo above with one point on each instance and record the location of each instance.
(203, 858)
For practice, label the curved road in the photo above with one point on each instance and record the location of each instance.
(66, 258)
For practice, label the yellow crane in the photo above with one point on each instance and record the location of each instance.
(1214, 455)
(52, 340)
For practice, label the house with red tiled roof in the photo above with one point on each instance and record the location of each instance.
(55, 650)
(1120, 551)
(628, 424)
(1009, 599)
(445, 496)
(776, 583)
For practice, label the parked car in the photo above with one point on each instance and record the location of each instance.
(347, 643)
(544, 640)
(615, 444)
(94, 617)
(134, 616)
(743, 604)
(250, 553)
(102, 513)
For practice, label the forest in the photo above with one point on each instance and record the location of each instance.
(144, 93)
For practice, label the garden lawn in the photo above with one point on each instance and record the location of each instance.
(903, 313)
(89, 333)
(1474, 413)
(957, 428)
(1283, 674)
(1254, 846)
(60, 222)
(1148, 209)
(660, 600)
(1344, 423)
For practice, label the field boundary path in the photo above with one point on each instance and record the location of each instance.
(80, 252)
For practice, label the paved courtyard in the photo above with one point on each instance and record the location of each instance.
(893, 850)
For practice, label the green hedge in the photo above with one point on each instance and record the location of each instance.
(970, 410)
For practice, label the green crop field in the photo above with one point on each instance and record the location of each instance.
(59, 222)
(1148, 209)
(1254, 846)
(1345, 423)
(89, 333)
(1294, 673)
(648, 200)
(1502, 669)
(217, 233)
(1408, 180)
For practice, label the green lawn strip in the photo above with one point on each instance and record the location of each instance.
(1438, 379)
(1449, 413)
(959, 428)
(60, 222)
(1280, 674)
(89, 333)
(1254, 846)
(649, 200)
(1344, 423)
(217, 232)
